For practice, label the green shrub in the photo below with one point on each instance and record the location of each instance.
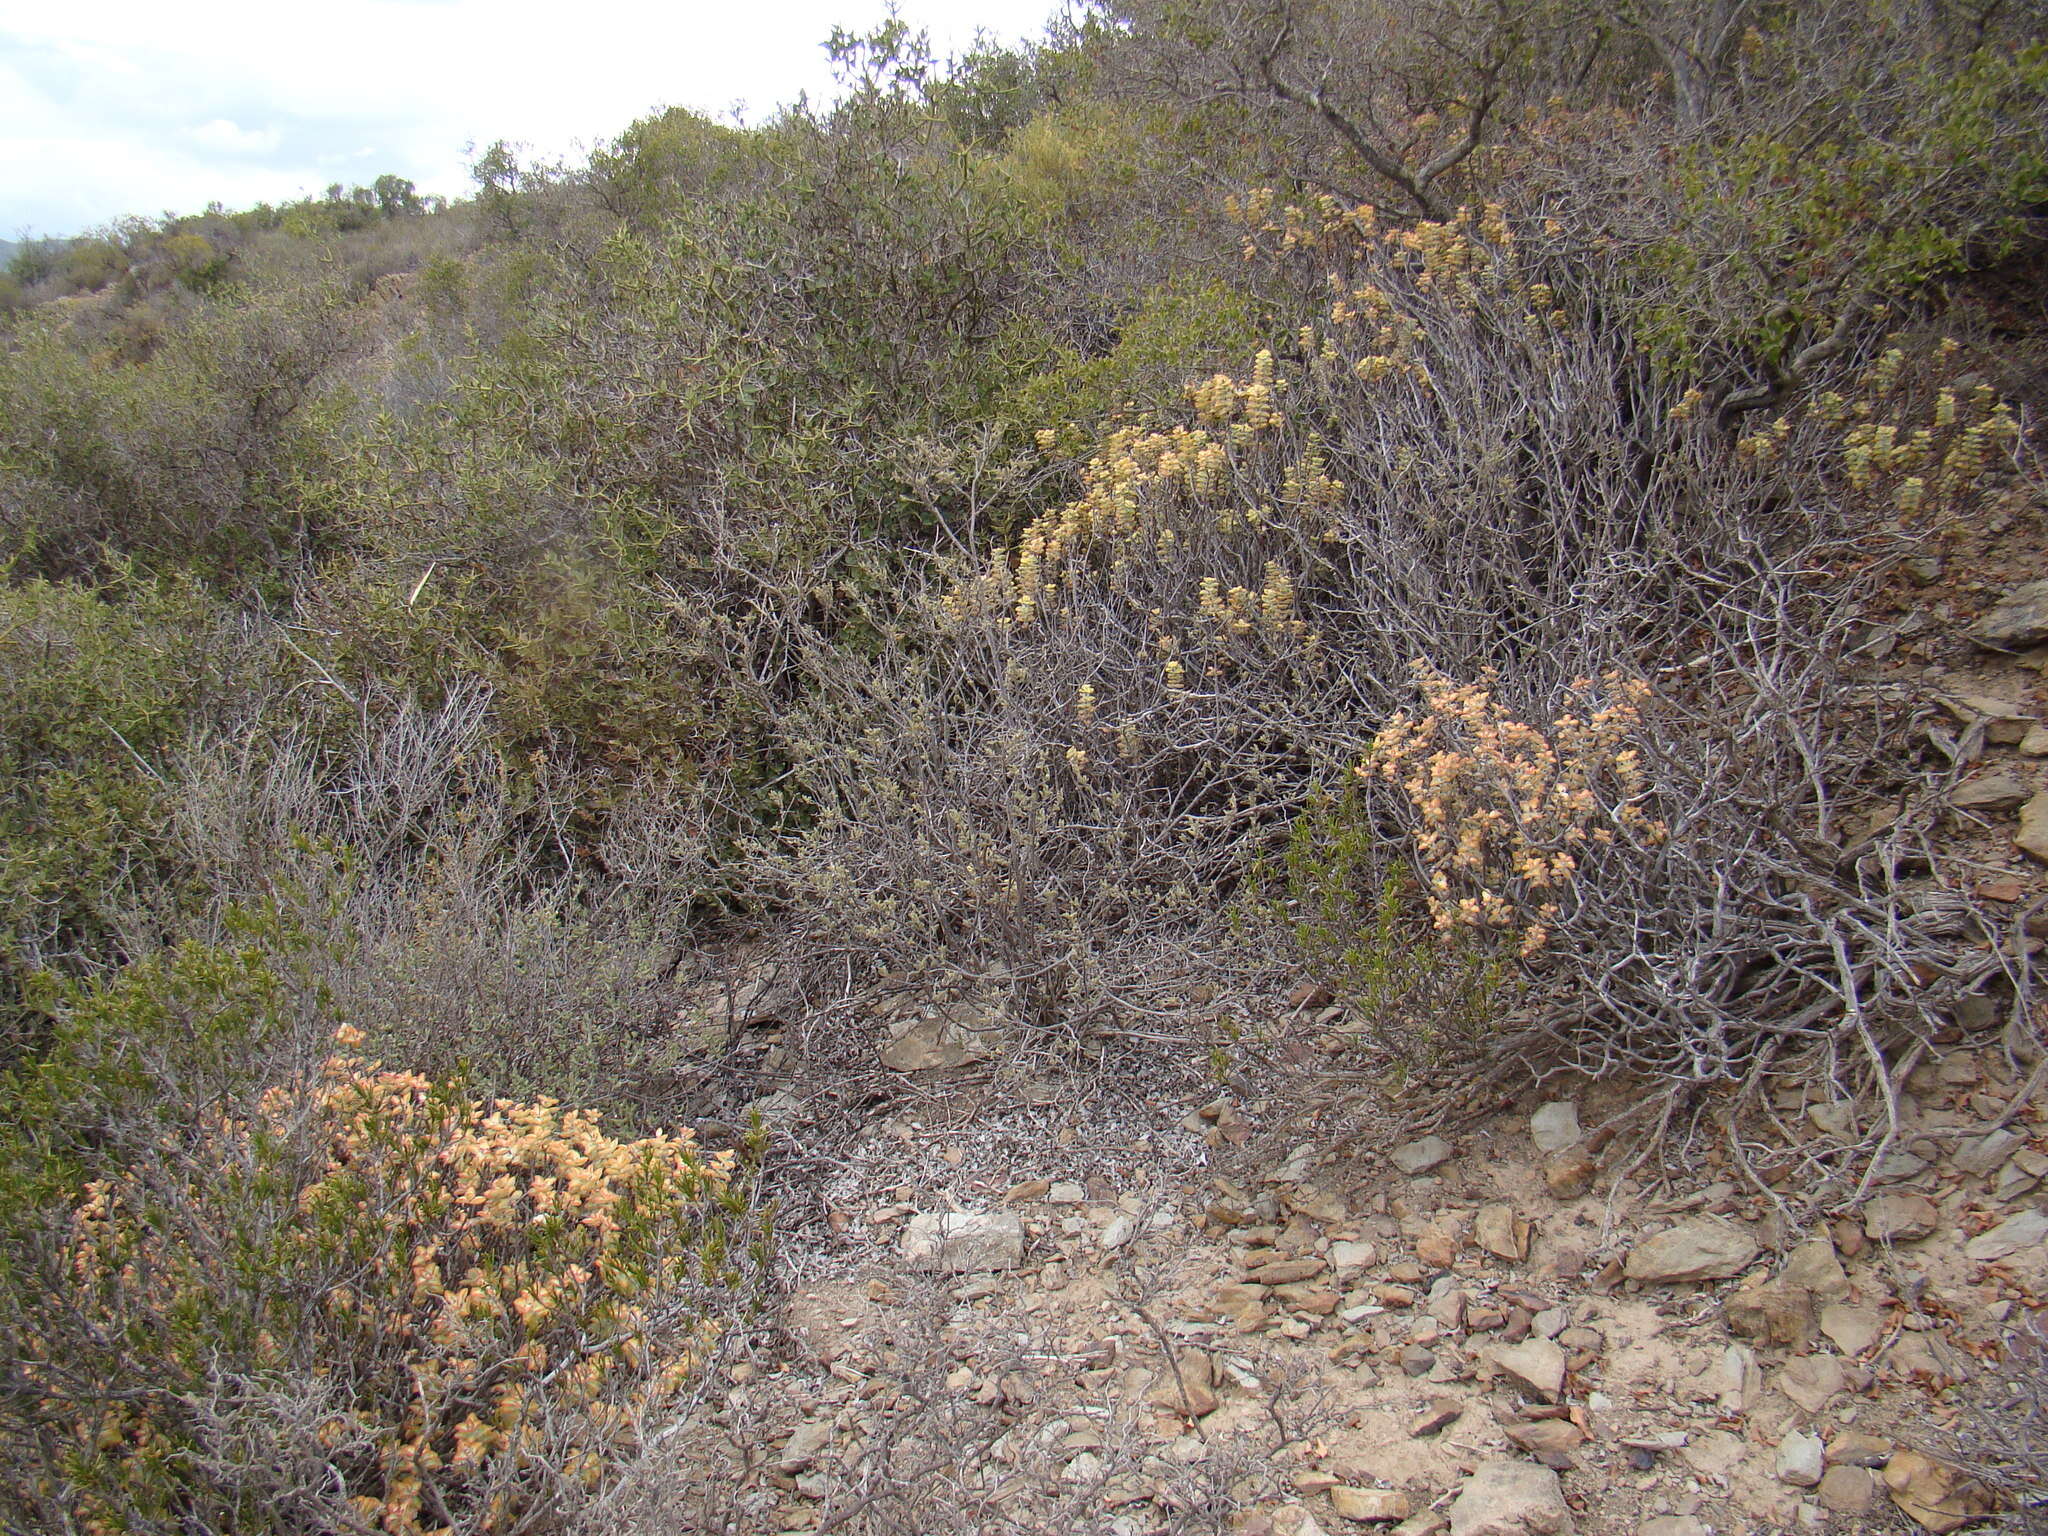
(1424, 996)
(98, 690)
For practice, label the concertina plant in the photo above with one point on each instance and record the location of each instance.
(478, 1306)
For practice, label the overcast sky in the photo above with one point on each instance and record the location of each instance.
(113, 107)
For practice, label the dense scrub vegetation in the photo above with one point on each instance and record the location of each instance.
(1384, 487)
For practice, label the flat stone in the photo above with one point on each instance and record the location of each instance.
(1348, 1258)
(959, 1241)
(1987, 1154)
(1066, 1193)
(1856, 1448)
(810, 1440)
(1801, 1460)
(1421, 1156)
(1811, 1381)
(2035, 742)
(928, 1045)
(2027, 1230)
(1714, 1454)
(1992, 792)
(1900, 1218)
(1440, 1415)
(2032, 836)
(1555, 1126)
(1705, 1248)
(1371, 1504)
(1852, 1330)
(1537, 1363)
(1937, 1496)
(1288, 1271)
(1837, 1117)
(1546, 1438)
(1570, 1173)
(1847, 1490)
(1814, 1267)
(1674, 1525)
(2018, 619)
(1436, 1249)
(1771, 1311)
(2025, 1169)
(1735, 1379)
(1186, 1386)
(1496, 1230)
(1511, 1498)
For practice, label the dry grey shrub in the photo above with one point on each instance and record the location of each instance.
(1063, 763)
(453, 921)
(2001, 1437)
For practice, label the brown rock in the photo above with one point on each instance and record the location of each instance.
(1511, 1498)
(1705, 1248)
(1554, 1437)
(1770, 1311)
(1288, 1271)
(1854, 1448)
(2018, 620)
(1937, 1496)
(1371, 1504)
(2032, 836)
(1900, 1218)
(1852, 1330)
(1435, 1250)
(1185, 1385)
(1537, 1363)
(1814, 1267)
(1848, 1490)
(1440, 1415)
(1570, 1174)
(1497, 1229)
(1811, 1381)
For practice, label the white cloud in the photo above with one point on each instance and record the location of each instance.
(232, 138)
(131, 106)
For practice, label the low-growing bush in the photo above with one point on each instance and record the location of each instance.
(355, 1300)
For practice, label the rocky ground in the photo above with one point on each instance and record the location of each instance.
(1485, 1334)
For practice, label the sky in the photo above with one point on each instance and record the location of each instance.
(118, 107)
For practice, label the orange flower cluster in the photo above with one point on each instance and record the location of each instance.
(480, 1276)
(1507, 812)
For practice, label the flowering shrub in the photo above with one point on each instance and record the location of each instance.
(1505, 812)
(371, 1303)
